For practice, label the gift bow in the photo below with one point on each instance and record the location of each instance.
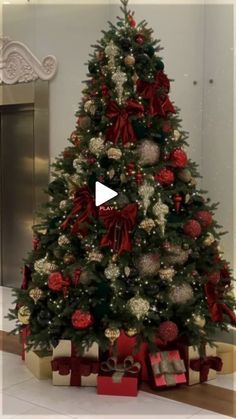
(158, 105)
(83, 366)
(84, 205)
(169, 367)
(122, 127)
(119, 224)
(203, 365)
(217, 309)
(128, 366)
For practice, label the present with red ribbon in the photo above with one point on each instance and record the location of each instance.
(69, 369)
(119, 379)
(168, 369)
(200, 367)
(119, 225)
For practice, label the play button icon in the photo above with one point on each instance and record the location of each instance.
(103, 194)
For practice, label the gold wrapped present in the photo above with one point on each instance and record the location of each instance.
(69, 369)
(39, 363)
(227, 352)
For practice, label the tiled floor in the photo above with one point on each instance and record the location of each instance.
(23, 396)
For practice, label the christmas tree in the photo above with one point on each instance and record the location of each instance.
(148, 262)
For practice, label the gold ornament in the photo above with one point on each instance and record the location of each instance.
(193, 181)
(127, 271)
(160, 211)
(96, 145)
(112, 272)
(112, 333)
(167, 274)
(129, 60)
(85, 277)
(111, 173)
(68, 258)
(199, 320)
(148, 152)
(114, 258)
(147, 224)
(114, 153)
(209, 240)
(77, 164)
(185, 175)
(132, 331)
(63, 204)
(36, 294)
(119, 78)
(138, 306)
(135, 78)
(146, 191)
(24, 315)
(89, 106)
(63, 240)
(111, 52)
(95, 256)
(43, 266)
(84, 122)
(176, 135)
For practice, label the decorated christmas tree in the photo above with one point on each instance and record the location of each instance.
(147, 262)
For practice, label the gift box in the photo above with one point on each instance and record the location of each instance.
(69, 369)
(200, 369)
(227, 353)
(39, 363)
(119, 379)
(168, 368)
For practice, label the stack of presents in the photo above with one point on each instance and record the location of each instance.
(121, 375)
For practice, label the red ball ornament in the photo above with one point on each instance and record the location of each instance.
(55, 281)
(178, 158)
(213, 277)
(139, 178)
(104, 90)
(139, 39)
(76, 276)
(81, 319)
(168, 331)
(166, 126)
(165, 176)
(130, 168)
(192, 228)
(204, 218)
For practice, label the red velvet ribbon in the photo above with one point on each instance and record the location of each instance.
(77, 366)
(83, 205)
(159, 104)
(122, 126)
(216, 308)
(119, 224)
(26, 277)
(203, 365)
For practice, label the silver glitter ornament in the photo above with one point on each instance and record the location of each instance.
(111, 52)
(149, 264)
(148, 152)
(112, 271)
(167, 274)
(138, 306)
(160, 211)
(209, 240)
(89, 106)
(96, 145)
(119, 78)
(175, 255)
(146, 191)
(63, 240)
(181, 293)
(43, 266)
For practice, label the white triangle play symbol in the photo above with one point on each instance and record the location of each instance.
(103, 194)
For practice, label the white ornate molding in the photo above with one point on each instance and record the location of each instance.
(19, 65)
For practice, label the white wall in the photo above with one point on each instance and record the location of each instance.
(198, 46)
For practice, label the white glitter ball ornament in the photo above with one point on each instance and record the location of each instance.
(96, 145)
(181, 294)
(148, 152)
(149, 264)
(112, 271)
(114, 153)
(138, 306)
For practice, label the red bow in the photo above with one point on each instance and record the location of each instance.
(119, 224)
(122, 127)
(203, 365)
(83, 205)
(217, 309)
(77, 366)
(26, 277)
(158, 104)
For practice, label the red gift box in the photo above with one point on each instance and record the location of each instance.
(168, 368)
(118, 379)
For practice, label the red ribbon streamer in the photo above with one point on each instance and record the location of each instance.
(156, 93)
(217, 309)
(77, 366)
(26, 277)
(122, 127)
(119, 224)
(83, 205)
(203, 365)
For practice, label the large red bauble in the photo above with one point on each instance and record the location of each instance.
(55, 281)
(165, 176)
(168, 331)
(192, 228)
(178, 158)
(213, 277)
(81, 319)
(204, 217)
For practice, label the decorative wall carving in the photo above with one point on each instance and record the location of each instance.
(19, 65)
